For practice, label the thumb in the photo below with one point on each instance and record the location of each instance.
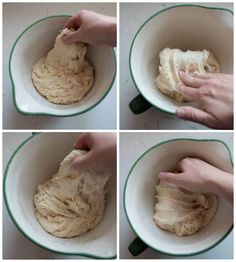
(171, 178)
(72, 37)
(196, 115)
(82, 162)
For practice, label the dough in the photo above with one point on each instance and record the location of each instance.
(64, 76)
(174, 60)
(183, 212)
(71, 203)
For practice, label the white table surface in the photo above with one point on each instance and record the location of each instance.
(132, 145)
(16, 17)
(132, 16)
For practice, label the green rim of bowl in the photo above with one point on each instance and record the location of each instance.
(15, 221)
(130, 172)
(48, 114)
(142, 26)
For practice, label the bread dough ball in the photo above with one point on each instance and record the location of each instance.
(183, 212)
(174, 60)
(71, 203)
(64, 76)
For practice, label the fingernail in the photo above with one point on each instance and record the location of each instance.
(180, 112)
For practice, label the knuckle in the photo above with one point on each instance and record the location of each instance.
(201, 92)
(83, 12)
(185, 161)
(191, 114)
(205, 91)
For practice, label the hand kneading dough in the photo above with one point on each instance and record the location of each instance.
(174, 60)
(182, 212)
(71, 203)
(64, 76)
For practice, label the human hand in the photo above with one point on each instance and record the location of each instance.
(91, 28)
(101, 155)
(197, 175)
(214, 93)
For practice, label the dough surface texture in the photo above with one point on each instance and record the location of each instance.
(182, 212)
(64, 76)
(71, 203)
(174, 60)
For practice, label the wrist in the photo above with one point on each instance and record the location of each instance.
(111, 32)
(222, 185)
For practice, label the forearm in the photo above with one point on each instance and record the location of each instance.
(111, 154)
(223, 185)
(111, 32)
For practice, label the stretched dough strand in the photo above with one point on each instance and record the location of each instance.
(174, 60)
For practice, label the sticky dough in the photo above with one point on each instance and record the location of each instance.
(174, 60)
(71, 203)
(64, 76)
(182, 212)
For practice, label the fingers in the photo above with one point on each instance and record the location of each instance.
(170, 178)
(82, 162)
(196, 115)
(201, 76)
(189, 92)
(184, 163)
(206, 75)
(73, 22)
(191, 80)
(73, 37)
(83, 142)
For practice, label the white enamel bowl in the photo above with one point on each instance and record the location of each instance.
(34, 43)
(185, 27)
(139, 196)
(34, 162)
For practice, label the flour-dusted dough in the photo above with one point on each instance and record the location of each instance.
(71, 203)
(174, 60)
(64, 76)
(182, 212)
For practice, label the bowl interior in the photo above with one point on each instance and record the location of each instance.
(35, 163)
(35, 43)
(183, 27)
(140, 196)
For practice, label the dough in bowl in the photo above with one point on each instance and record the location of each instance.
(182, 212)
(174, 60)
(64, 76)
(71, 203)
